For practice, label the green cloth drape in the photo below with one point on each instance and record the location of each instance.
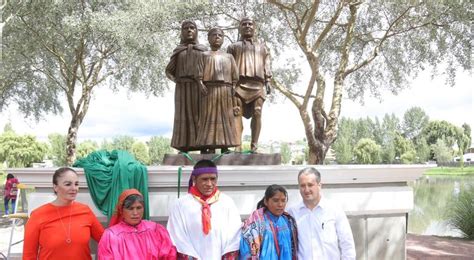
(110, 173)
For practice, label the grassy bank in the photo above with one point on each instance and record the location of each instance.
(450, 171)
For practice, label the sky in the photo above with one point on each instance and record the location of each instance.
(133, 114)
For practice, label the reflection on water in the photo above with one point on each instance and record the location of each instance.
(433, 198)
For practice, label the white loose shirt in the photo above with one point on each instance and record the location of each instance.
(324, 232)
(185, 228)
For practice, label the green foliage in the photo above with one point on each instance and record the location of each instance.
(403, 146)
(299, 159)
(245, 146)
(390, 129)
(408, 157)
(8, 128)
(422, 150)
(159, 146)
(57, 149)
(462, 212)
(414, 121)
(388, 152)
(85, 148)
(56, 53)
(436, 130)
(450, 171)
(18, 151)
(285, 152)
(344, 143)
(140, 151)
(442, 153)
(367, 151)
(343, 150)
(122, 142)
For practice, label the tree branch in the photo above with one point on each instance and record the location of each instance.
(286, 92)
(328, 26)
(376, 49)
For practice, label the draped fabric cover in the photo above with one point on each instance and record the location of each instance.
(110, 173)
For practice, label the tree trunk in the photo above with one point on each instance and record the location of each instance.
(317, 153)
(71, 141)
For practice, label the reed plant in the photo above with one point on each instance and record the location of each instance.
(462, 213)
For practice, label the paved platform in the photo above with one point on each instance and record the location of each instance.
(434, 247)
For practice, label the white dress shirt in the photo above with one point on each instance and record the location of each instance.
(185, 228)
(324, 232)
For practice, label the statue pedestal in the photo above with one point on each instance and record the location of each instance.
(225, 159)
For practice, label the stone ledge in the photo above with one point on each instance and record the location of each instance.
(225, 159)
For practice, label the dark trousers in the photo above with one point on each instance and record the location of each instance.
(5, 201)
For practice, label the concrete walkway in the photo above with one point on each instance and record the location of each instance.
(434, 247)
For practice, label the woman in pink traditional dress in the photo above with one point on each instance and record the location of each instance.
(131, 237)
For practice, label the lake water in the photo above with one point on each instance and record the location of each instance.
(433, 198)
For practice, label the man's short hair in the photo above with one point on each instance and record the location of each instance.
(246, 19)
(204, 164)
(308, 171)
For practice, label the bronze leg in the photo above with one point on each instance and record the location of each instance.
(238, 112)
(256, 123)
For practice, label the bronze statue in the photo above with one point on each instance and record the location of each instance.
(216, 119)
(253, 62)
(183, 70)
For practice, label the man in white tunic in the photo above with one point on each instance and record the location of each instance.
(205, 223)
(324, 232)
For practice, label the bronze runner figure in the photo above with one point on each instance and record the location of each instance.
(253, 62)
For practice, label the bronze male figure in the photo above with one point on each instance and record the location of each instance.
(253, 61)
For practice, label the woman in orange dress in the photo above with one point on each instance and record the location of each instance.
(62, 228)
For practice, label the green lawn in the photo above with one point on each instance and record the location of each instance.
(450, 171)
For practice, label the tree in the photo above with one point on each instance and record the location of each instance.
(57, 149)
(8, 127)
(367, 151)
(414, 121)
(343, 150)
(345, 142)
(390, 128)
(158, 146)
(442, 153)
(408, 157)
(123, 142)
(463, 141)
(285, 152)
(403, 145)
(85, 148)
(20, 150)
(140, 151)
(436, 130)
(58, 52)
(422, 150)
(353, 46)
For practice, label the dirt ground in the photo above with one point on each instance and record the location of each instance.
(434, 247)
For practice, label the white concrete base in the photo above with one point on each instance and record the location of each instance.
(376, 198)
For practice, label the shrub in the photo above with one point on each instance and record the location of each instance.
(462, 213)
